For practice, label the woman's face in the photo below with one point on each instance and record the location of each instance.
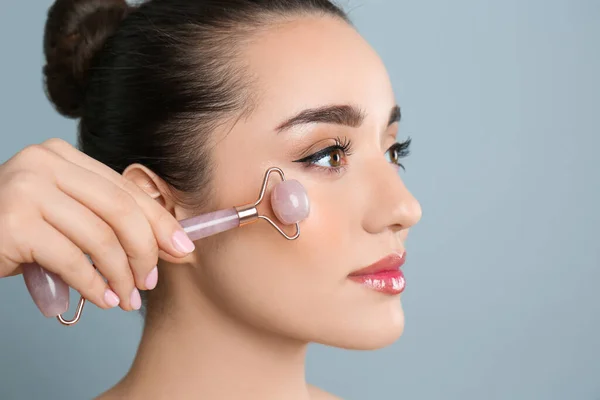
(360, 209)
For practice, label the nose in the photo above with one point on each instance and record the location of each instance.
(391, 205)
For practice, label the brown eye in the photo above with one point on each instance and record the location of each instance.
(394, 156)
(397, 152)
(333, 158)
(336, 157)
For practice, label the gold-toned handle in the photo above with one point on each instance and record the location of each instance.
(69, 322)
(260, 198)
(77, 316)
(265, 180)
(280, 230)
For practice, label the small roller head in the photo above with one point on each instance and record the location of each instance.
(290, 202)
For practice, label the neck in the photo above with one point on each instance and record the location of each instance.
(196, 349)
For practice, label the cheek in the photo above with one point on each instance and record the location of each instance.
(299, 288)
(254, 267)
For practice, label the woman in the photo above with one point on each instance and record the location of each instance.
(183, 105)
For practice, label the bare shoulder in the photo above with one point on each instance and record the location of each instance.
(318, 394)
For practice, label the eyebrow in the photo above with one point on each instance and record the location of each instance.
(347, 115)
(395, 115)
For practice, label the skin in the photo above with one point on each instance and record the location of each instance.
(233, 318)
(247, 302)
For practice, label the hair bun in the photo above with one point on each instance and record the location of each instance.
(75, 31)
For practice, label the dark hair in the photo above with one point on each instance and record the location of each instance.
(150, 82)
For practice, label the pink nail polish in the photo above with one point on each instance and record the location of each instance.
(152, 279)
(135, 299)
(182, 242)
(111, 298)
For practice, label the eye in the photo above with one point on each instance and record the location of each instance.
(397, 152)
(332, 158)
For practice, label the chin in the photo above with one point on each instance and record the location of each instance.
(373, 331)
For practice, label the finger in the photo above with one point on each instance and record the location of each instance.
(96, 239)
(168, 232)
(52, 250)
(119, 210)
(17, 271)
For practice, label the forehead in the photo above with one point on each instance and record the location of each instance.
(314, 61)
(306, 63)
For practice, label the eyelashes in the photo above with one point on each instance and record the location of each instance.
(336, 154)
(335, 158)
(399, 151)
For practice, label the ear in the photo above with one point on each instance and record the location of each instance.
(155, 187)
(149, 182)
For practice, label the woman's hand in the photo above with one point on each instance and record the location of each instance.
(57, 205)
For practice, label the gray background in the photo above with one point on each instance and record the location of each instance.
(501, 100)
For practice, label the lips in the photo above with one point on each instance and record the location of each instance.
(391, 262)
(383, 276)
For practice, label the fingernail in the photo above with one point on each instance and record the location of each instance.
(111, 298)
(182, 242)
(152, 279)
(135, 299)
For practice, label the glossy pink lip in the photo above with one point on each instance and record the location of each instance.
(384, 276)
(391, 262)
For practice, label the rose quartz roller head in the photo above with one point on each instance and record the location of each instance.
(288, 199)
(290, 204)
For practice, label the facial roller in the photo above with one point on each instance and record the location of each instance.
(289, 202)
